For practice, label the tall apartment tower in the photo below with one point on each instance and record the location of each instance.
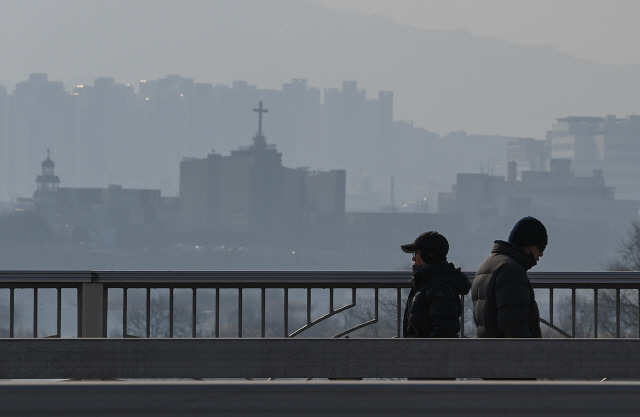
(607, 143)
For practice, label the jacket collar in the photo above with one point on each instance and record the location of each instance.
(505, 248)
(429, 270)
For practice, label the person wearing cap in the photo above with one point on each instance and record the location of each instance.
(504, 303)
(433, 307)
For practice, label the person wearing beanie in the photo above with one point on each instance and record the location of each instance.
(433, 307)
(504, 303)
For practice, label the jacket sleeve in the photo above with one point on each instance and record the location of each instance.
(513, 301)
(444, 311)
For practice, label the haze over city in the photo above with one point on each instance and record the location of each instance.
(484, 67)
(277, 207)
(376, 107)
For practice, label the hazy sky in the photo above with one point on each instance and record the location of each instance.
(605, 31)
(269, 42)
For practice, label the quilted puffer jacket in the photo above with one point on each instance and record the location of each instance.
(433, 307)
(504, 303)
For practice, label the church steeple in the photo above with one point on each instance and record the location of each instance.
(260, 146)
(259, 140)
(48, 181)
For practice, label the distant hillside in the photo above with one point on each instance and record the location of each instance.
(443, 81)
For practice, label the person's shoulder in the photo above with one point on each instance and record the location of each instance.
(494, 262)
(510, 270)
(499, 267)
(506, 261)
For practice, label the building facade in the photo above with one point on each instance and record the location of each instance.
(608, 143)
(249, 197)
(100, 217)
(584, 219)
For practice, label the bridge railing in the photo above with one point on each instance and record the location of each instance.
(266, 304)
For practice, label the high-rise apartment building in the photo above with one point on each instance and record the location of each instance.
(607, 143)
(109, 133)
(37, 118)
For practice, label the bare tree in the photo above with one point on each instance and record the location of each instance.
(586, 320)
(628, 258)
(387, 316)
(159, 320)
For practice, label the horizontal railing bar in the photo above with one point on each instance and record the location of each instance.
(44, 276)
(584, 279)
(319, 358)
(289, 279)
(368, 279)
(35, 284)
(266, 279)
(213, 274)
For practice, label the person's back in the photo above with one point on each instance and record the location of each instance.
(433, 307)
(503, 297)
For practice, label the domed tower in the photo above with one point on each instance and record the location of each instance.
(46, 194)
(47, 182)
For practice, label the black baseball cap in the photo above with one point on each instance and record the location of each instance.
(431, 242)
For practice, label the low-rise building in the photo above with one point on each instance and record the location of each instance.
(584, 219)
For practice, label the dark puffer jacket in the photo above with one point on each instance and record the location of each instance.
(433, 307)
(504, 303)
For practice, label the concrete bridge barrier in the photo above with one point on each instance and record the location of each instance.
(319, 358)
(320, 398)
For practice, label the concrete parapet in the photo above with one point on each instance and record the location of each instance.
(319, 358)
(320, 398)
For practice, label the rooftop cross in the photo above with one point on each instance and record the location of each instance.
(260, 110)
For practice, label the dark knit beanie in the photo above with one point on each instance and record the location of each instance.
(528, 231)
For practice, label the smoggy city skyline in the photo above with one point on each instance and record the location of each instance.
(444, 78)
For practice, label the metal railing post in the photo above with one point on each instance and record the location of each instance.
(93, 310)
